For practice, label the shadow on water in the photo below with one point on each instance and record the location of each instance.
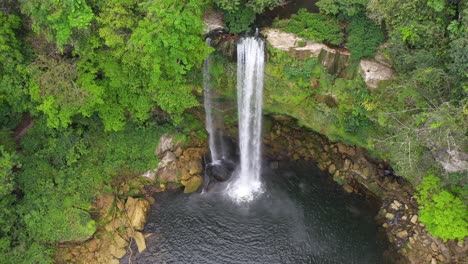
(302, 217)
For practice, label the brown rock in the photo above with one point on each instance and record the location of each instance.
(332, 169)
(117, 252)
(348, 150)
(136, 211)
(113, 261)
(347, 164)
(402, 234)
(192, 184)
(195, 167)
(434, 247)
(104, 203)
(389, 216)
(119, 241)
(414, 219)
(140, 241)
(93, 245)
(165, 143)
(167, 174)
(441, 257)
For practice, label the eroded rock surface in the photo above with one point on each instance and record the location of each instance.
(178, 165)
(213, 21)
(374, 72)
(335, 60)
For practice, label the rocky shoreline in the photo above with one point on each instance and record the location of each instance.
(352, 168)
(122, 219)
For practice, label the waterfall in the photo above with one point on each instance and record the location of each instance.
(209, 106)
(250, 65)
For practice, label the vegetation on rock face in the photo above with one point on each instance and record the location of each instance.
(444, 214)
(363, 37)
(314, 27)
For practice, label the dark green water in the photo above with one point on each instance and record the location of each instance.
(301, 217)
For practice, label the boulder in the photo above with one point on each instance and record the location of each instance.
(117, 252)
(192, 184)
(166, 142)
(282, 40)
(213, 20)
(167, 174)
(137, 209)
(140, 241)
(374, 72)
(452, 160)
(390, 216)
(194, 167)
(402, 234)
(104, 203)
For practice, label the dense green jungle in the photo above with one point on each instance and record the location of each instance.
(88, 87)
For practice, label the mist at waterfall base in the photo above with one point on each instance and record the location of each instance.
(302, 217)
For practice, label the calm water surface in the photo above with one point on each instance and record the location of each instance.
(301, 218)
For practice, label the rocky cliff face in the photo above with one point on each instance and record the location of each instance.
(336, 61)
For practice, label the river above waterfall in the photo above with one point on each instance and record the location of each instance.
(303, 217)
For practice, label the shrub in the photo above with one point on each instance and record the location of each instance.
(312, 26)
(444, 214)
(363, 37)
(238, 21)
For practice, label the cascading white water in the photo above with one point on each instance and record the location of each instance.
(209, 105)
(250, 66)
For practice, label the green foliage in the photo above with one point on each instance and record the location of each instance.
(444, 214)
(344, 8)
(413, 22)
(238, 21)
(8, 215)
(13, 70)
(137, 57)
(363, 37)
(7, 162)
(169, 44)
(239, 15)
(257, 6)
(58, 19)
(314, 27)
(54, 87)
(63, 171)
